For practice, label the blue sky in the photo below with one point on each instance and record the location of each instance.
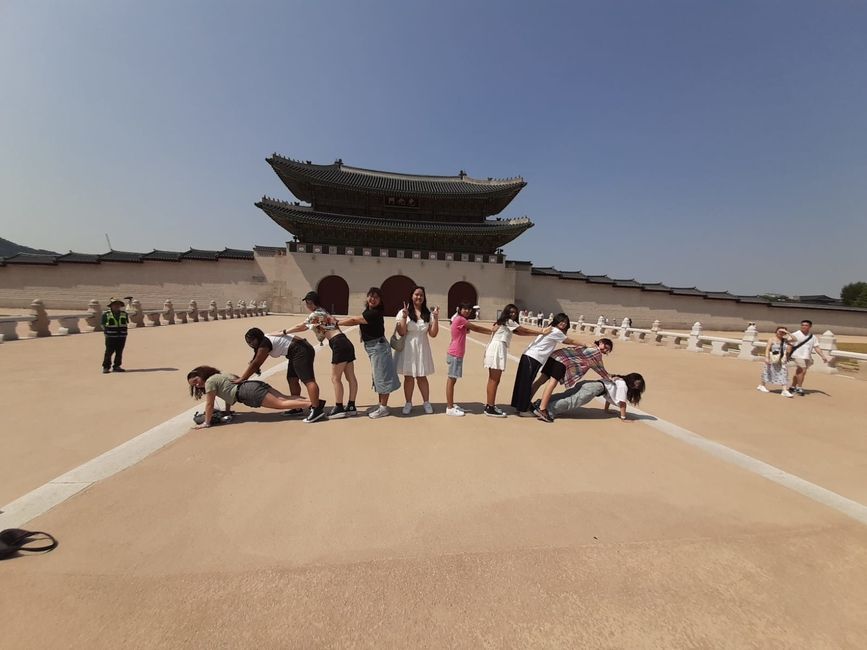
(716, 144)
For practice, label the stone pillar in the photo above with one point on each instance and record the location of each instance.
(94, 315)
(692, 343)
(264, 307)
(624, 329)
(39, 325)
(828, 343)
(136, 317)
(745, 351)
(230, 309)
(212, 309)
(169, 312)
(600, 324)
(656, 337)
(242, 309)
(194, 311)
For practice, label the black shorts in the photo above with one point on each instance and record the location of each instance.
(251, 393)
(300, 355)
(342, 350)
(555, 369)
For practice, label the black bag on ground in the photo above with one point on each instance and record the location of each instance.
(18, 540)
(216, 418)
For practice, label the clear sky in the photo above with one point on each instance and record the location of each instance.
(716, 144)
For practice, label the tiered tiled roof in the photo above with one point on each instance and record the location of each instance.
(132, 257)
(311, 226)
(344, 176)
(79, 258)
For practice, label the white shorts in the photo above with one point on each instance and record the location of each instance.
(803, 363)
(495, 355)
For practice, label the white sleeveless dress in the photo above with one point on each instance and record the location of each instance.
(415, 360)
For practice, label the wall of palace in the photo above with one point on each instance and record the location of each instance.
(282, 277)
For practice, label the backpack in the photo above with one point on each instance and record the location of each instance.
(16, 540)
(218, 417)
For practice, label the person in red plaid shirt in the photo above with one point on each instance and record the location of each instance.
(567, 366)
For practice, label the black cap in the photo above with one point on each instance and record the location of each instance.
(312, 296)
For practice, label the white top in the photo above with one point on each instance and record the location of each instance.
(503, 333)
(279, 345)
(806, 350)
(543, 345)
(415, 360)
(615, 391)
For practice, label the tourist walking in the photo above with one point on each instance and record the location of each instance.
(775, 370)
(371, 324)
(457, 349)
(417, 324)
(804, 344)
(498, 351)
(533, 359)
(568, 366)
(300, 355)
(115, 323)
(210, 382)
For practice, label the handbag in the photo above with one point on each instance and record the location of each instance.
(16, 540)
(396, 341)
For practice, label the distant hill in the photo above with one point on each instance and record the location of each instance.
(10, 248)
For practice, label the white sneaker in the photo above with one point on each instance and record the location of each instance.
(407, 408)
(455, 411)
(459, 408)
(762, 389)
(379, 412)
(427, 408)
(786, 393)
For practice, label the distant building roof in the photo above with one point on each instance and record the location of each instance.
(29, 258)
(163, 256)
(79, 258)
(121, 256)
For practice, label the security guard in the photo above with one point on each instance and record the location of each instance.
(114, 324)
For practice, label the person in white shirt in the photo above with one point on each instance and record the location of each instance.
(804, 344)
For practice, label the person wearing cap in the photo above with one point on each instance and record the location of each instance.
(114, 325)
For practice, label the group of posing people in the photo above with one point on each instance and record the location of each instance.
(797, 347)
(408, 353)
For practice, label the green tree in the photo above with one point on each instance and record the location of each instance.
(851, 292)
(861, 300)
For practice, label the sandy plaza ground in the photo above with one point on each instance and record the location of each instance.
(718, 517)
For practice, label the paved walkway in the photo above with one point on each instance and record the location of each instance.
(429, 531)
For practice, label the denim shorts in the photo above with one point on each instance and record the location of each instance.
(456, 366)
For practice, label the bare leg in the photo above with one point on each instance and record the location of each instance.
(798, 380)
(351, 380)
(277, 400)
(541, 379)
(294, 386)
(408, 387)
(383, 399)
(450, 391)
(493, 384)
(313, 392)
(424, 387)
(336, 376)
(546, 394)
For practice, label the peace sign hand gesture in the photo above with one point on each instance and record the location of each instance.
(404, 312)
(435, 311)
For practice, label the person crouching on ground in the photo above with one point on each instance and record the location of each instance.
(568, 366)
(210, 382)
(300, 355)
(775, 370)
(457, 349)
(115, 323)
(622, 389)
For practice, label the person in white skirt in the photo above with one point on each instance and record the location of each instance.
(498, 351)
(416, 323)
(777, 353)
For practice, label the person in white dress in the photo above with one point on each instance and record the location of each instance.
(416, 323)
(498, 351)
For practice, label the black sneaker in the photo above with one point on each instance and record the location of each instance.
(292, 412)
(337, 412)
(105, 371)
(798, 390)
(316, 413)
(351, 411)
(119, 369)
(543, 415)
(494, 412)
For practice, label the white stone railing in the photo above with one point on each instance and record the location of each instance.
(748, 347)
(39, 320)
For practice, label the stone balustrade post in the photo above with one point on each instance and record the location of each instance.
(181, 316)
(264, 307)
(747, 346)
(136, 317)
(169, 312)
(828, 343)
(252, 310)
(39, 325)
(212, 310)
(624, 329)
(94, 315)
(242, 309)
(600, 324)
(68, 325)
(692, 343)
(230, 309)
(194, 311)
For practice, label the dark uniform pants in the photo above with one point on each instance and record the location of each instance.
(113, 345)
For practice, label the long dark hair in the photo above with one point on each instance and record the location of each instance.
(255, 336)
(560, 318)
(506, 314)
(425, 312)
(607, 342)
(203, 372)
(374, 291)
(633, 395)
